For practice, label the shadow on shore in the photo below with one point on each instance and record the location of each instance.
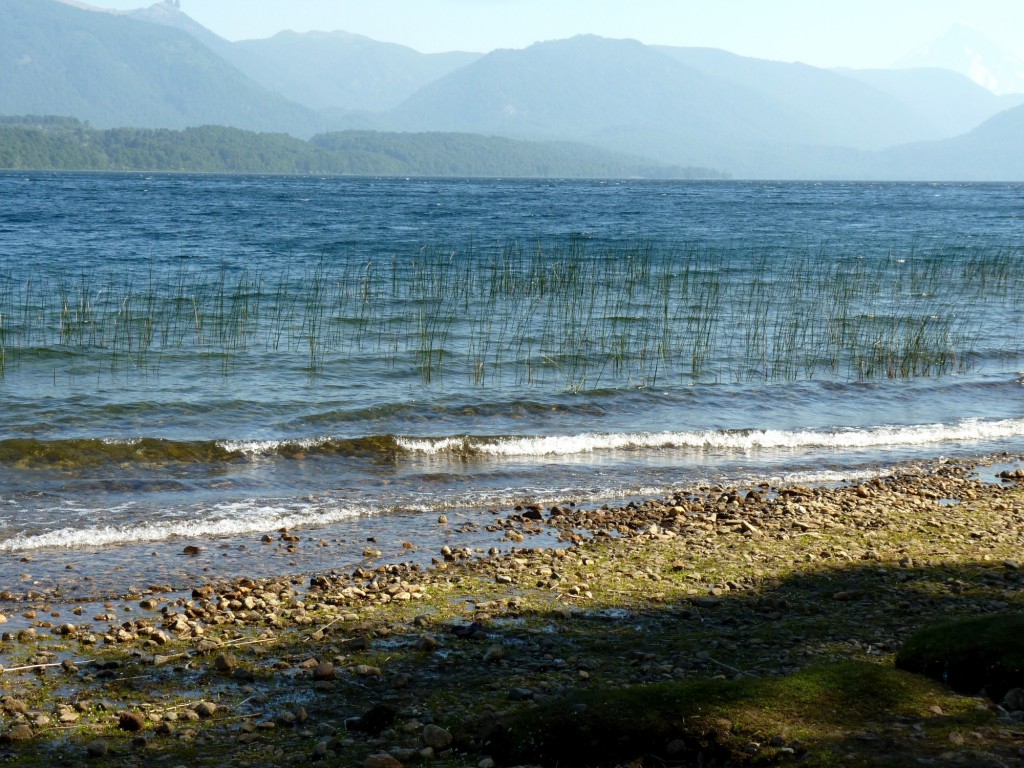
(790, 670)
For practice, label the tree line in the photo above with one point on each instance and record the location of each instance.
(68, 144)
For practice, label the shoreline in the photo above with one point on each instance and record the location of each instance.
(122, 571)
(751, 583)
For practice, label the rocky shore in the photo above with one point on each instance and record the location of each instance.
(772, 613)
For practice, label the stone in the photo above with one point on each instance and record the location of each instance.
(13, 706)
(1013, 701)
(286, 719)
(323, 672)
(495, 653)
(382, 760)
(18, 732)
(321, 749)
(205, 708)
(131, 721)
(97, 748)
(225, 662)
(427, 643)
(377, 719)
(436, 737)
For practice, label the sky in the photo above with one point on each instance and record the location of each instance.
(823, 33)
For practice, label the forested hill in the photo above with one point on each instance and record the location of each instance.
(56, 143)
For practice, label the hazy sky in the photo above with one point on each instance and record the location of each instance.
(825, 33)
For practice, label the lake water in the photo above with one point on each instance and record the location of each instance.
(217, 357)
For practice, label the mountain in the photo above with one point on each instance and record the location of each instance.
(967, 51)
(113, 70)
(994, 151)
(169, 14)
(615, 93)
(683, 107)
(686, 106)
(321, 70)
(338, 70)
(828, 108)
(952, 103)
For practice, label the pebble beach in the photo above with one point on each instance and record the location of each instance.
(419, 655)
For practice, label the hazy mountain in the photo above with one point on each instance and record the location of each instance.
(171, 15)
(341, 70)
(321, 70)
(688, 106)
(616, 93)
(829, 109)
(117, 71)
(951, 102)
(967, 51)
(994, 151)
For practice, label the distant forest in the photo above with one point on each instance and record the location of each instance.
(68, 144)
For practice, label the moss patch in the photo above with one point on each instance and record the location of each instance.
(970, 655)
(777, 720)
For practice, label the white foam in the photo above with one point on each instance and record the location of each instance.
(121, 441)
(968, 430)
(434, 445)
(222, 520)
(826, 476)
(269, 447)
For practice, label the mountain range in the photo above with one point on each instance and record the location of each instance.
(966, 50)
(750, 118)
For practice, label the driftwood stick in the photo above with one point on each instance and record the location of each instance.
(324, 627)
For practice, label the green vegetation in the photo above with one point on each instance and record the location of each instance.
(561, 314)
(692, 722)
(970, 655)
(66, 144)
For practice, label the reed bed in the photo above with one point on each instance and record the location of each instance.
(569, 314)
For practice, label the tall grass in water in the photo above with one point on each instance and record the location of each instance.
(566, 313)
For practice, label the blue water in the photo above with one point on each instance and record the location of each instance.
(342, 426)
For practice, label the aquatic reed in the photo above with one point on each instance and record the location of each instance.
(566, 313)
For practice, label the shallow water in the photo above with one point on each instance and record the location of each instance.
(321, 409)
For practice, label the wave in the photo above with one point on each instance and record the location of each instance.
(229, 519)
(84, 452)
(744, 440)
(31, 452)
(88, 452)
